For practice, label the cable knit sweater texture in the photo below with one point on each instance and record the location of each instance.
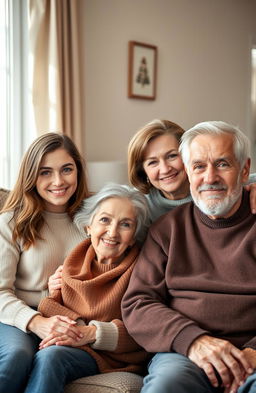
(24, 274)
(93, 291)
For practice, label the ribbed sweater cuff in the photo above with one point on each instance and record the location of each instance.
(184, 339)
(106, 336)
(23, 317)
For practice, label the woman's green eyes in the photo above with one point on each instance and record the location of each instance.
(44, 173)
(67, 170)
(48, 172)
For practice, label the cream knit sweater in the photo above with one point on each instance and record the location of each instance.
(24, 273)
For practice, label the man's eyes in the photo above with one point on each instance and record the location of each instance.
(220, 164)
(198, 167)
(223, 164)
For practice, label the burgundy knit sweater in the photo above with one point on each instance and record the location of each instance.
(93, 291)
(194, 276)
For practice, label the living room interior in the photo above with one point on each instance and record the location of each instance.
(205, 70)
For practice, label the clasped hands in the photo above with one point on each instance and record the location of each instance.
(216, 355)
(61, 330)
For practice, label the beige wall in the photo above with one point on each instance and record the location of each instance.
(203, 66)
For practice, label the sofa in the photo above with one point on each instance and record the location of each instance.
(115, 382)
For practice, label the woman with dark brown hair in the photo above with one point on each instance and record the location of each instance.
(36, 234)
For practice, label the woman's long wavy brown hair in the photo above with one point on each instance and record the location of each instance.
(24, 199)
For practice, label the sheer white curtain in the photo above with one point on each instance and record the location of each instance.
(17, 129)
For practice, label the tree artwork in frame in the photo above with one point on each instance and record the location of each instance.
(142, 70)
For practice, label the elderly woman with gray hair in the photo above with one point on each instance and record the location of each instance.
(94, 278)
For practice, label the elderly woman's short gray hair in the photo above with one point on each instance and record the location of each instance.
(90, 206)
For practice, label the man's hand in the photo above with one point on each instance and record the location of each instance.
(217, 355)
(250, 355)
(88, 337)
(54, 281)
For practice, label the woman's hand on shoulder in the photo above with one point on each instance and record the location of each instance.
(43, 327)
(88, 337)
(252, 189)
(54, 281)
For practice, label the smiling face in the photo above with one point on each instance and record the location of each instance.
(112, 229)
(164, 167)
(57, 180)
(215, 175)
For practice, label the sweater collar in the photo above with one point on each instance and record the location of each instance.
(242, 212)
(158, 197)
(81, 263)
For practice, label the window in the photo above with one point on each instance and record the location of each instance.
(16, 132)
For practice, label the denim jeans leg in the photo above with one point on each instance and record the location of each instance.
(175, 373)
(56, 366)
(17, 350)
(250, 384)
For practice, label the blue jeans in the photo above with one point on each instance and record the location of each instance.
(24, 368)
(55, 366)
(175, 373)
(17, 350)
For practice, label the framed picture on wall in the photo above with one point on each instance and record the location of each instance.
(142, 65)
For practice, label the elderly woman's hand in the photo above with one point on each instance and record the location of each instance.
(88, 332)
(54, 281)
(58, 324)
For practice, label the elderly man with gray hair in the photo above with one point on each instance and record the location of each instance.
(192, 295)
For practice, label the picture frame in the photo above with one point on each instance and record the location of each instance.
(142, 70)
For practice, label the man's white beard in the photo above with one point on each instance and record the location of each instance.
(217, 206)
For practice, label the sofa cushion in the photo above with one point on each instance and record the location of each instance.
(115, 382)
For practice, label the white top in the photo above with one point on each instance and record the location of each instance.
(24, 274)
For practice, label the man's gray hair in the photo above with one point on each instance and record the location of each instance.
(90, 206)
(241, 142)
